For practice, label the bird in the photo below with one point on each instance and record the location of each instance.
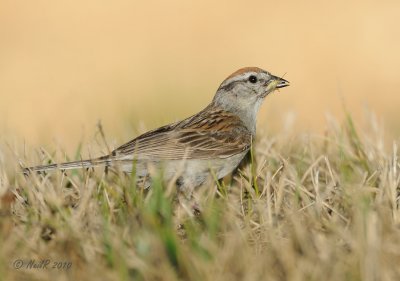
(209, 144)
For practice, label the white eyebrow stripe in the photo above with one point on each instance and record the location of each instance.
(241, 77)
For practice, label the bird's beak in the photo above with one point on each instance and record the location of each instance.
(275, 83)
(280, 82)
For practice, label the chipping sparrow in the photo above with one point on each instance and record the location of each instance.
(214, 140)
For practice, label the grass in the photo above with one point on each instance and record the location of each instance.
(307, 207)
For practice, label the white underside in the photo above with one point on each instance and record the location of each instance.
(193, 172)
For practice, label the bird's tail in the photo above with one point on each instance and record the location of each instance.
(69, 165)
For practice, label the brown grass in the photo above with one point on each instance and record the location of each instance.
(308, 207)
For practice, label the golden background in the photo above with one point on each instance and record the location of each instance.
(64, 65)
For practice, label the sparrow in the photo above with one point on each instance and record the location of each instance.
(209, 144)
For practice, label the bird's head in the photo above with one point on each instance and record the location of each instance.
(249, 84)
(244, 90)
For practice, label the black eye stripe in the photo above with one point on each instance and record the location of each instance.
(232, 84)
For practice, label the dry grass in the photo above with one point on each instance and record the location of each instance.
(308, 207)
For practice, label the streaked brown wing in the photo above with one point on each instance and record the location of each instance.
(209, 134)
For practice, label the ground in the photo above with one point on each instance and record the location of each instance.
(305, 207)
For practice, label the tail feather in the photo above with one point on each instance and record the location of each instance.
(69, 165)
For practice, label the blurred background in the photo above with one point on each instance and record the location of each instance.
(65, 65)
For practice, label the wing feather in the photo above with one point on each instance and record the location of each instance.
(209, 134)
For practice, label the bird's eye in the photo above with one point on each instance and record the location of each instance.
(253, 79)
